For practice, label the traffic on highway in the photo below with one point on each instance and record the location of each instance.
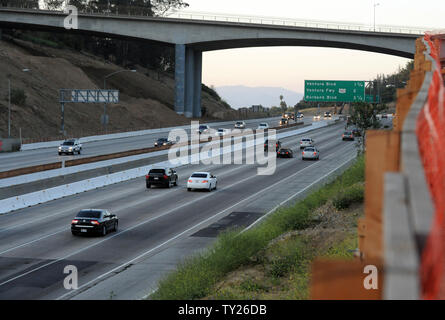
(157, 213)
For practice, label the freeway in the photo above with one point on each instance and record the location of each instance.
(49, 155)
(36, 243)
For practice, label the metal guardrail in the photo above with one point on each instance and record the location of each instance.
(289, 22)
(135, 11)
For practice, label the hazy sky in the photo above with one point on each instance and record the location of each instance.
(288, 67)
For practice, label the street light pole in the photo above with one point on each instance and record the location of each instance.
(105, 88)
(9, 107)
(375, 5)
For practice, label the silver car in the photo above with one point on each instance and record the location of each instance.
(306, 142)
(240, 125)
(70, 147)
(311, 153)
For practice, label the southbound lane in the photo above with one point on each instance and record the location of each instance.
(36, 244)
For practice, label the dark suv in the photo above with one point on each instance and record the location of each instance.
(161, 177)
(266, 145)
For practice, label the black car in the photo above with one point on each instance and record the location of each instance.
(348, 135)
(163, 142)
(285, 153)
(161, 177)
(94, 221)
(277, 144)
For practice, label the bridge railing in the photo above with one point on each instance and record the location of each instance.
(206, 16)
(220, 17)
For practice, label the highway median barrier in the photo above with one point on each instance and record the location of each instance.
(33, 198)
(87, 160)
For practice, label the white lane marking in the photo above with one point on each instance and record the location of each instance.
(140, 202)
(132, 204)
(148, 221)
(296, 194)
(33, 241)
(193, 228)
(128, 192)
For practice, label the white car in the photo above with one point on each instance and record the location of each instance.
(202, 180)
(263, 126)
(221, 132)
(240, 125)
(306, 142)
(317, 117)
(311, 153)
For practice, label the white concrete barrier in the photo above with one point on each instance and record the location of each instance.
(32, 177)
(52, 144)
(38, 197)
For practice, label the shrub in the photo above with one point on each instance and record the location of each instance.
(18, 97)
(345, 199)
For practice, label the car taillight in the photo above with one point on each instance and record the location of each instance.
(147, 176)
(315, 153)
(95, 222)
(190, 181)
(205, 181)
(165, 176)
(74, 221)
(287, 152)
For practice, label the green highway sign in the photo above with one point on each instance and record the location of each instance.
(334, 91)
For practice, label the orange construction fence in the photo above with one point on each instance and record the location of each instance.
(431, 136)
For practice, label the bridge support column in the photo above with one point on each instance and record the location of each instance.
(189, 82)
(179, 78)
(197, 86)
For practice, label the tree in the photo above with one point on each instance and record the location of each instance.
(364, 117)
(161, 7)
(283, 104)
(53, 4)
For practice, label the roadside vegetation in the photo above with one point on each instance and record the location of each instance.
(272, 260)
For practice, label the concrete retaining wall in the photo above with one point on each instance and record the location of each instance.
(9, 144)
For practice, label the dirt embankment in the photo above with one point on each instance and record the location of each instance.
(146, 97)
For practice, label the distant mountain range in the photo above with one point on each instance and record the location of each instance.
(242, 96)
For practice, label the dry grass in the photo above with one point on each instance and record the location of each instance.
(147, 97)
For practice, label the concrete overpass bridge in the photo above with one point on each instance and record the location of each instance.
(192, 37)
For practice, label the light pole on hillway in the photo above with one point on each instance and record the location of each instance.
(105, 122)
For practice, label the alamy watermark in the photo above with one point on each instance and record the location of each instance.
(371, 281)
(227, 147)
(72, 20)
(71, 281)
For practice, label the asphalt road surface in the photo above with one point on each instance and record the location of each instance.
(36, 243)
(10, 161)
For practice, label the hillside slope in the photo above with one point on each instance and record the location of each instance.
(147, 97)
